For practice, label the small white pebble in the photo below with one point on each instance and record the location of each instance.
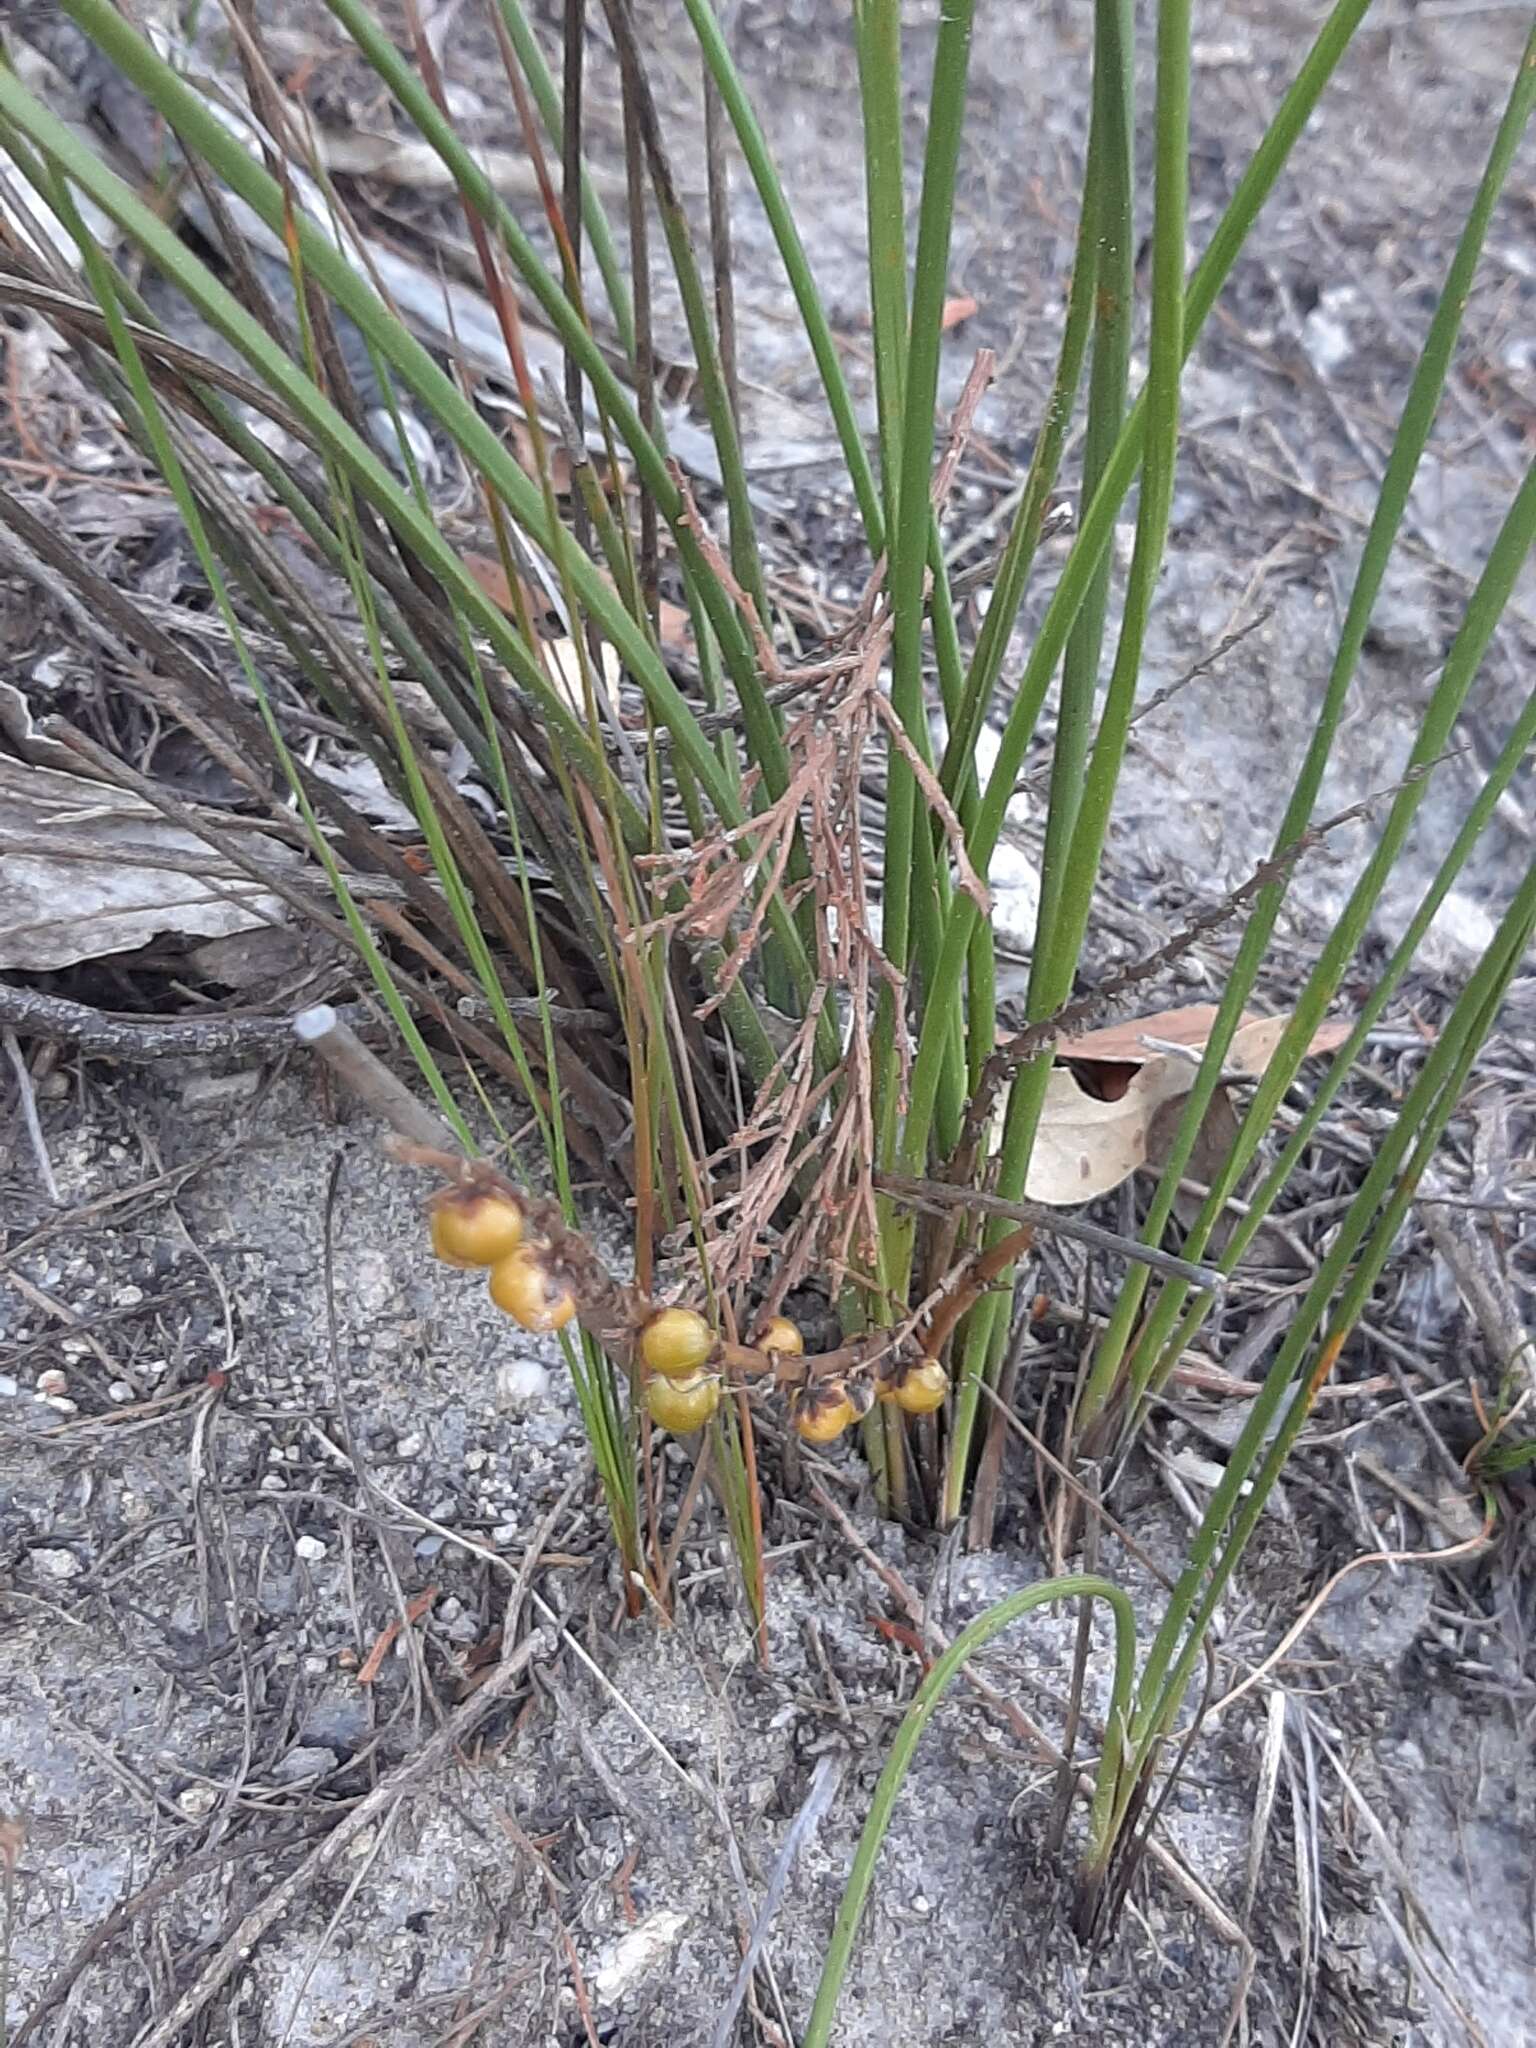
(292, 1454)
(474, 1460)
(522, 1383)
(52, 1382)
(198, 1801)
(449, 1609)
(60, 1404)
(316, 1667)
(310, 1548)
(273, 1482)
(408, 1446)
(56, 1564)
(129, 1297)
(504, 1535)
(8, 1387)
(153, 1368)
(119, 1390)
(74, 1347)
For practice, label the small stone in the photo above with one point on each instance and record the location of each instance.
(1325, 333)
(52, 1382)
(310, 1548)
(474, 1461)
(215, 1091)
(153, 1368)
(129, 1297)
(429, 1546)
(197, 1801)
(521, 1383)
(450, 1609)
(637, 1954)
(119, 1391)
(60, 1404)
(504, 1535)
(303, 1764)
(409, 1446)
(9, 1389)
(56, 1564)
(273, 1482)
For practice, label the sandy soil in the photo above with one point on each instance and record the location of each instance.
(221, 1507)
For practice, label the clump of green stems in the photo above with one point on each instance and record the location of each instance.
(587, 834)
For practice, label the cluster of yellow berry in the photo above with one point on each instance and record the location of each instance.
(486, 1230)
(682, 1355)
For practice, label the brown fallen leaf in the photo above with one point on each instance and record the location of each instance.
(1139, 1039)
(1105, 1111)
(1086, 1144)
(675, 626)
(492, 579)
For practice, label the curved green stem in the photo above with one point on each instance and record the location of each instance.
(932, 1690)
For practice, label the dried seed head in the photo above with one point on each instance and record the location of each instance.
(676, 1342)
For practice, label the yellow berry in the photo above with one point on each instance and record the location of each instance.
(676, 1342)
(476, 1230)
(682, 1405)
(524, 1288)
(923, 1389)
(822, 1418)
(782, 1335)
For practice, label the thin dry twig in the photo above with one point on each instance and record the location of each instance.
(235, 1952)
(29, 1116)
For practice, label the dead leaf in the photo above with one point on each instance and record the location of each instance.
(405, 160)
(1256, 1041)
(1212, 1149)
(1086, 1145)
(957, 310)
(91, 870)
(563, 663)
(1107, 1107)
(492, 579)
(674, 623)
(1139, 1039)
(675, 627)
